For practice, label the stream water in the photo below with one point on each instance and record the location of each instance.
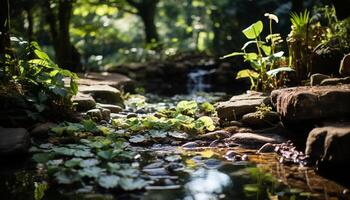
(175, 172)
(197, 81)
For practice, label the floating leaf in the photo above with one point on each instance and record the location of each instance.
(42, 157)
(129, 184)
(92, 172)
(178, 135)
(108, 181)
(73, 162)
(66, 177)
(89, 163)
(157, 133)
(137, 139)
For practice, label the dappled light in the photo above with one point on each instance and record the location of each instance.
(175, 99)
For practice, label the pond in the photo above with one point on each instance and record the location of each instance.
(155, 165)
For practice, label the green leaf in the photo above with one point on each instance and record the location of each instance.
(233, 54)
(274, 72)
(129, 184)
(92, 172)
(42, 157)
(254, 30)
(187, 107)
(42, 55)
(89, 163)
(247, 73)
(207, 107)
(66, 177)
(266, 49)
(137, 139)
(108, 181)
(207, 122)
(73, 162)
(250, 56)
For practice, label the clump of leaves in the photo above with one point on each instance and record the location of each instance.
(41, 80)
(262, 110)
(185, 117)
(265, 62)
(101, 161)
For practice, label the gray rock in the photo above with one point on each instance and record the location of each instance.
(345, 65)
(254, 140)
(219, 134)
(42, 130)
(83, 102)
(336, 81)
(240, 105)
(190, 145)
(14, 141)
(312, 103)
(103, 94)
(112, 108)
(95, 114)
(330, 145)
(106, 114)
(259, 120)
(316, 79)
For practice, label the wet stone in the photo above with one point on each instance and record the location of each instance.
(190, 145)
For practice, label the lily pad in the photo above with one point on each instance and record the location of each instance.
(178, 135)
(108, 181)
(137, 139)
(129, 184)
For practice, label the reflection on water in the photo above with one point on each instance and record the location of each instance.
(206, 184)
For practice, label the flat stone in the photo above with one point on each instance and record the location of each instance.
(83, 102)
(106, 114)
(115, 80)
(330, 145)
(312, 103)
(14, 141)
(240, 105)
(112, 108)
(254, 140)
(103, 94)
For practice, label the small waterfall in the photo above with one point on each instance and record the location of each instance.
(195, 81)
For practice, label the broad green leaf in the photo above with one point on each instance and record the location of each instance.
(73, 162)
(108, 181)
(208, 123)
(66, 177)
(42, 55)
(42, 157)
(187, 107)
(274, 72)
(137, 139)
(129, 184)
(92, 172)
(254, 30)
(250, 56)
(247, 73)
(266, 49)
(207, 107)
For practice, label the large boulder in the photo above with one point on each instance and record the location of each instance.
(240, 105)
(261, 119)
(14, 141)
(330, 145)
(302, 104)
(103, 93)
(317, 78)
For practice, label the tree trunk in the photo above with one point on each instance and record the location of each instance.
(67, 56)
(297, 6)
(147, 15)
(146, 10)
(4, 26)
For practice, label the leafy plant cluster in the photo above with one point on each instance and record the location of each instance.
(40, 80)
(266, 62)
(188, 116)
(92, 162)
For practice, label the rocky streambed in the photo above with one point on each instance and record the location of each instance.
(148, 147)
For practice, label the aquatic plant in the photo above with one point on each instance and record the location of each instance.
(263, 61)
